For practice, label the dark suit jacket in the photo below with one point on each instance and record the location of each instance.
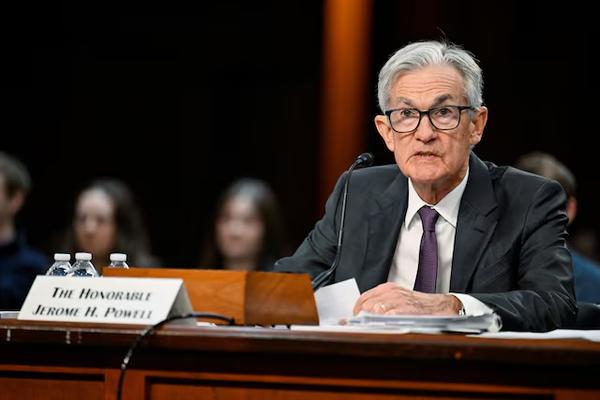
(509, 249)
(19, 265)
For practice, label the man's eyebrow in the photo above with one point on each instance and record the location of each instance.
(405, 100)
(442, 98)
(436, 102)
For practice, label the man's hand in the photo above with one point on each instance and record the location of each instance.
(389, 298)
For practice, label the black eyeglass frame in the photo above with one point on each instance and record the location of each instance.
(388, 114)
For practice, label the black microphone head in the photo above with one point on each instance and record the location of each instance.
(364, 160)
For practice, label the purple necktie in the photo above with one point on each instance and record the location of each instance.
(428, 258)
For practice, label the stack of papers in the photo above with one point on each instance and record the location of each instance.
(593, 335)
(335, 304)
(426, 323)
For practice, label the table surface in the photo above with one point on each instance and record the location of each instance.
(281, 340)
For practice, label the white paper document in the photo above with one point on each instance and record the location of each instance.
(428, 323)
(593, 335)
(335, 302)
(348, 329)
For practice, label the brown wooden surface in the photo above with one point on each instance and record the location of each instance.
(251, 298)
(53, 360)
(276, 298)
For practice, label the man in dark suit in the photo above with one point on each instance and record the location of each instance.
(443, 232)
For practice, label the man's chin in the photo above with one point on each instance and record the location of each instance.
(424, 181)
(424, 174)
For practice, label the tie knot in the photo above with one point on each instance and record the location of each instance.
(428, 217)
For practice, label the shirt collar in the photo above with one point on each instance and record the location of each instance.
(447, 207)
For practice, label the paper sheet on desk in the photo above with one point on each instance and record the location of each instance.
(336, 301)
(335, 304)
(429, 323)
(593, 335)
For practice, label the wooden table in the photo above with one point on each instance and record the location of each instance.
(64, 361)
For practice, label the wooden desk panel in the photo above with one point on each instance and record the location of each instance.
(50, 385)
(181, 362)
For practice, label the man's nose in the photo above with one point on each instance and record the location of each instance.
(425, 131)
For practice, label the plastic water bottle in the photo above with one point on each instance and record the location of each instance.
(83, 266)
(118, 260)
(61, 266)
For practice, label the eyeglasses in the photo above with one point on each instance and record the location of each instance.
(405, 120)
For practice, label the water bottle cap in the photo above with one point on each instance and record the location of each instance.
(62, 257)
(118, 257)
(83, 256)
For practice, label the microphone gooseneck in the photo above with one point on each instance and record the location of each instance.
(363, 160)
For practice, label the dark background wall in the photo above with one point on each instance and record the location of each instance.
(180, 99)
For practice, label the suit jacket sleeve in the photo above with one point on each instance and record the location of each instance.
(544, 297)
(317, 251)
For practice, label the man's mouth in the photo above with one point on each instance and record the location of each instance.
(425, 154)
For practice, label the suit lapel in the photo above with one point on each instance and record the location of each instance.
(384, 223)
(477, 218)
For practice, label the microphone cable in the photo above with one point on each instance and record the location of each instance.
(151, 329)
(363, 160)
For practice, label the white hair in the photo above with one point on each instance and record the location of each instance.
(421, 54)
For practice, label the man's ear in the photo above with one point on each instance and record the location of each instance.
(16, 202)
(478, 122)
(386, 132)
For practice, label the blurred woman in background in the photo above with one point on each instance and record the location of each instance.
(107, 220)
(246, 232)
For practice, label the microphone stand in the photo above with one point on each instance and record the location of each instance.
(364, 160)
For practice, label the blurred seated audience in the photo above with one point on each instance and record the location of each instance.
(586, 272)
(585, 241)
(107, 220)
(246, 232)
(19, 263)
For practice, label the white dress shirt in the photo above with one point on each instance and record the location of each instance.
(406, 258)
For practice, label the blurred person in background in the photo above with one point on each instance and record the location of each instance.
(586, 272)
(107, 220)
(246, 232)
(585, 241)
(19, 263)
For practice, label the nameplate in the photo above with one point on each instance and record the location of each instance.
(142, 301)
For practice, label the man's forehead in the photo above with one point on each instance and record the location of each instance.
(432, 84)
(440, 99)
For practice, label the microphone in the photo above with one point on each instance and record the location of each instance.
(363, 160)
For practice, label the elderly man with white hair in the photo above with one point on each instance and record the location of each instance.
(442, 232)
